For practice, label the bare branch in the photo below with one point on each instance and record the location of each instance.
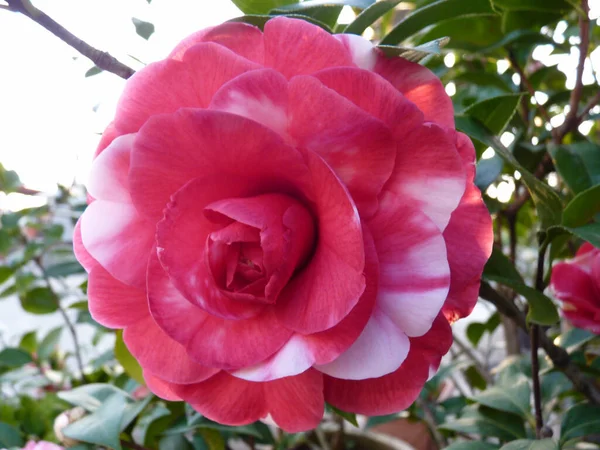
(102, 59)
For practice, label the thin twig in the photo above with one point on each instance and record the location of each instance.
(467, 351)
(534, 335)
(322, 439)
(429, 418)
(559, 357)
(584, 38)
(102, 59)
(65, 317)
(593, 102)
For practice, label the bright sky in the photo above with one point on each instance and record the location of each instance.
(50, 114)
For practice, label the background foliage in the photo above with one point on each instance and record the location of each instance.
(521, 379)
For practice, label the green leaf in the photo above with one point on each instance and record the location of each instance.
(366, 18)
(415, 54)
(90, 396)
(470, 445)
(143, 28)
(574, 338)
(5, 273)
(547, 202)
(589, 232)
(500, 265)
(529, 444)
(349, 417)
(582, 208)
(14, 357)
(213, 439)
(260, 20)
(64, 269)
(39, 300)
(10, 436)
(309, 4)
(174, 442)
(533, 5)
(542, 310)
(485, 421)
(126, 359)
(487, 171)
(29, 342)
(93, 71)
(496, 112)
(436, 12)
(101, 427)
(49, 344)
(260, 6)
(579, 421)
(514, 399)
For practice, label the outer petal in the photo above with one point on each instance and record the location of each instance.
(108, 174)
(324, 292)
(362, 51)
(303, 351)
(166, 86)
(467, 256)
(226, 399)
(414, 276)
(420, 86)
(208, 143)
(112, 303)
(244, 39)
(295, 403)
(260, 95)
(119, 239)
(376, 96)
(109, 134)
(295, 47)
(396, 391)
(82, 255)
(160, 355)
(209, 340)
(357, 146)
(160, 388)
(429, 171)
(575, 287)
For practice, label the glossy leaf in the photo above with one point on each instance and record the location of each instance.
(436, 12)
(530, 444)
(260, 20)
(260, 6)
(415, 54)
(495, 113)
(484, 421)
(309, 4)
(93, 71)
(367, 17)
(589, 232)
(29, 342)
(514, 399)
(143, 28)
(39, 300)
(126, 359)
(548, 204)
(582, 208)
(14, 357)
(579, 421)
(348, 417)
(487, 171)
(10, 436)
(471, 445)
(533, 5)
(574, 338)
(499, 265)
(49, 344)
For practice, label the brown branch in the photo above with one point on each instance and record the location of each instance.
(101, 59)
(559, 357)
(571, 120)
(593, 102)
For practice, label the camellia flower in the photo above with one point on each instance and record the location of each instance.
(576, 283)
(281, 219)
(42, 445)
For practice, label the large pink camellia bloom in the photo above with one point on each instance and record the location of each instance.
(577, 284)
(281, 219)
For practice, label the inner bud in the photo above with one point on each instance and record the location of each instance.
(263, 241)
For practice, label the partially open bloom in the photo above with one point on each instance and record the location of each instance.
(576, 283)
(281, 219)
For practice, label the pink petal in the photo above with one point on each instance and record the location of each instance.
(362, 51)
(414, 276)
(82, 255)
(296, 403)
(108, 174)
(166, 86)
(119, 239)
(574, 286)
(420, 86)
(357, 146)
(181, 237)
(303, 351)
(160, 388)
(209, 143)
(396, 391)
(429, 171)
(296, 47)
(209, 340)
(226, 399)
(260, 95)
(376, 96)
(244, 39)
(109, 135)
(379, 350)
(327, 289)
(160, 355)
(112, 303)
(467, 256)
(286, 228)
